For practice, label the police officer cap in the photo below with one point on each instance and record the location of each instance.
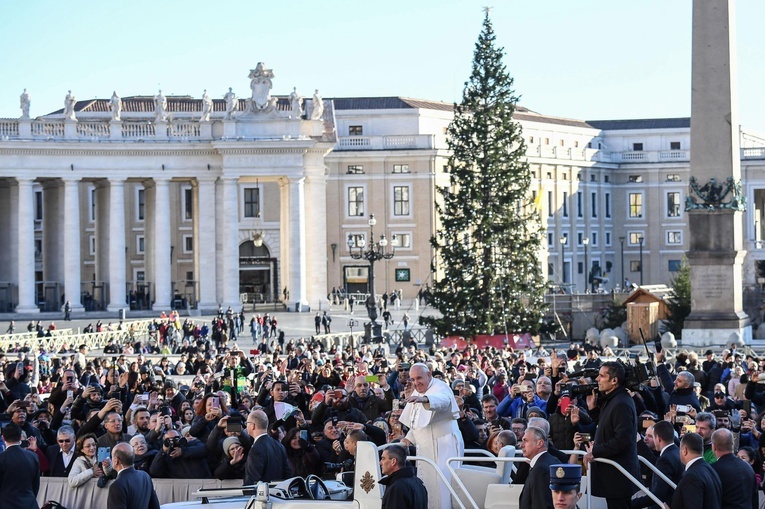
(565, 477)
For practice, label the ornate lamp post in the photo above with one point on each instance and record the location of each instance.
(378, 250)
(586, 242)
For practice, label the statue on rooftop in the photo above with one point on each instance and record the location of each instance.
(260, 84)
(232, 103)
(69, 103)
(115, 106)
(207, 106)
(318, 106)
(296, 103)
(24, 104)
(160, 107)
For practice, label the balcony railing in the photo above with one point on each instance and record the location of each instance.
(403, 142)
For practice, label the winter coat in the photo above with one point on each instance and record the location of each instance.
(404, 490)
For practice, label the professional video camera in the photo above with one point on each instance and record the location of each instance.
(336, 467)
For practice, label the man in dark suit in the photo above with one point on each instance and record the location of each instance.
(668, 464)
(133, 488)
(739, 487)
(614, 411)
(700, 486)
(61, 456)
(19, 472)
(267, 460)
(536, 490)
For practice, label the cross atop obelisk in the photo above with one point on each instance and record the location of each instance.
(714, 203)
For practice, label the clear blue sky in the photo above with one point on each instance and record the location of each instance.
(586, 59)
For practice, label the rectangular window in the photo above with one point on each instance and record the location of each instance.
(637, 147)
(355, 169)
(92, 245)
(673, 204)
(404, 240)
(38, 205)
(579, 177)
(140, 276)
(357, 239)
(355, 201)
(92, 204)
(593, 238)
(606, 179)
(579, 238)
(251, 202)
(674, 145)
(674, 237)
(565, 204)
(674, 265)
(673, 177)
(594, 204)
(593, 178)
(355, 130)
(400, 200)
(550, 204)
(140, 244)
(636, 179)
(608, 238)
(189, 275)
(550, 240)
(531, 139)
(634, 265)
(608, 204)
(141, 205)
(579, 200)
(635, 238)
(400, 168)
(636, 205)
(579, 268)
(188, 203)
(188, 244)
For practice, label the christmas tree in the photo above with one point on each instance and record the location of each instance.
(488, 275)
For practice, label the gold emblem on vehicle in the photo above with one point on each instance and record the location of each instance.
(560, 473)
(367, 482)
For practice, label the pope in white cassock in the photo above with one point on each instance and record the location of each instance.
(431, 414)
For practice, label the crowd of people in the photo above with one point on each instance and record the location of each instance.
(313, 405)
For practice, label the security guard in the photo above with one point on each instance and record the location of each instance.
(564, 483)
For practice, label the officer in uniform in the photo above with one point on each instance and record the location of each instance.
(564, 484)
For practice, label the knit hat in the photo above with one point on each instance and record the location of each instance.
(537, 410)
(227, 443)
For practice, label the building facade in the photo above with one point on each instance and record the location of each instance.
(160, 202)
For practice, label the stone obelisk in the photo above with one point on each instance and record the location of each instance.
(714, 203)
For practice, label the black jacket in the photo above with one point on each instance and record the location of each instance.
(739, 487)
(132, 488)
(699, 488)
(670, 465)
(404, 490)
(536, 492)
(615, 440)
(191, 464)
(267, 461)
(19, 478)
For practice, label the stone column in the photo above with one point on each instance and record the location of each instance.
(117, 280)
(161, 241)
(26, 247)
(53, 230)
(228, 256)
(716, 249)
(297, 249)
(284, 233)
(205, 269)
(72, 249)
(316, 237)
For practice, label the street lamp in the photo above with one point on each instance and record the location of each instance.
(377, 251)
(562, 241)
(586, 242)
(621, 241)
(641, 259)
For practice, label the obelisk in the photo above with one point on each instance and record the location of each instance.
(714, 203)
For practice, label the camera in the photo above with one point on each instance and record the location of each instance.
(171, 442)
(336, 467)
(234, 424)
(575, 390)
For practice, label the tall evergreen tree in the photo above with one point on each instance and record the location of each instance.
(679, 305)
(488, 244)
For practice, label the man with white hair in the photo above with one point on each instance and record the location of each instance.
(431, 414)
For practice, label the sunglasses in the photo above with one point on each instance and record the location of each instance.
(64, 441)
